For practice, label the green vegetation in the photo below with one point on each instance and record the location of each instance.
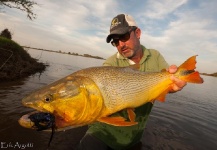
(6, 33)
(15, 62)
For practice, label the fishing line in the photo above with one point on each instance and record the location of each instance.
(8, 57)
(52, 134)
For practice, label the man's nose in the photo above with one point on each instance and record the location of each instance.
(121, 44)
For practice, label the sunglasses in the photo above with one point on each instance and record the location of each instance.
(123, 38)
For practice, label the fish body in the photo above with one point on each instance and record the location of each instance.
(93, 94)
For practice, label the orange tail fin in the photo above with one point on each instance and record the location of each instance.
(187, 73)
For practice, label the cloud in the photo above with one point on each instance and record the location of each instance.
(177, 28)
(191, 31)
(157, 9)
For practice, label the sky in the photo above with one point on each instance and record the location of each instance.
(178, 29)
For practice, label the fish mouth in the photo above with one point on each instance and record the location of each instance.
(37, 120)
(25, 121)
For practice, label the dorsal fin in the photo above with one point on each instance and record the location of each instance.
(163, 70)
(135, 66)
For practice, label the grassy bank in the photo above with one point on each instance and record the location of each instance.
(15, 62)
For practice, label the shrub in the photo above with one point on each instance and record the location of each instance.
(6, 33)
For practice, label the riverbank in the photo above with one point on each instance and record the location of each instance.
(15, 62)
(69, 53)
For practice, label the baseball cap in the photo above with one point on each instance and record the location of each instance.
(120, 25)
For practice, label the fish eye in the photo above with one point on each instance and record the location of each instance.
(48, 98)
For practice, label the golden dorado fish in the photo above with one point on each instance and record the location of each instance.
(93, 94)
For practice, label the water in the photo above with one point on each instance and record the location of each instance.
(187, 120)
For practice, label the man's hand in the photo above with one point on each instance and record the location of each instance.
(178, 84)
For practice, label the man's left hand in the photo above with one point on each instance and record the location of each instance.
(178, 84)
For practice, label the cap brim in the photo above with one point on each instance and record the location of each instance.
(117, 32)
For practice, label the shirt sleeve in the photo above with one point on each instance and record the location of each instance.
(111, 61)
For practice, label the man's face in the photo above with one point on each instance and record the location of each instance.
(128, 43)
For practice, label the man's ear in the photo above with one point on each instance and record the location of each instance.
(138, 33)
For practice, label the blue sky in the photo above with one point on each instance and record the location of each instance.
(177, 28)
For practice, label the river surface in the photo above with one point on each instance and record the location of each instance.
(186, 121)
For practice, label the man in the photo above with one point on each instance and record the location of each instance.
(125, 36)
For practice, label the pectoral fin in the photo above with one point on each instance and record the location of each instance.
(116, 121)
(131, 114)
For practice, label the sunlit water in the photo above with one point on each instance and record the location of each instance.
(187, 120)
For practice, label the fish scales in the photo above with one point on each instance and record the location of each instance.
(123, 87)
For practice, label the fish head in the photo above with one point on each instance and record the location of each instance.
(47, 98)
(57, 98)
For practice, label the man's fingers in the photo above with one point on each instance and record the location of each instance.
(178, 84)
(172, 69)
